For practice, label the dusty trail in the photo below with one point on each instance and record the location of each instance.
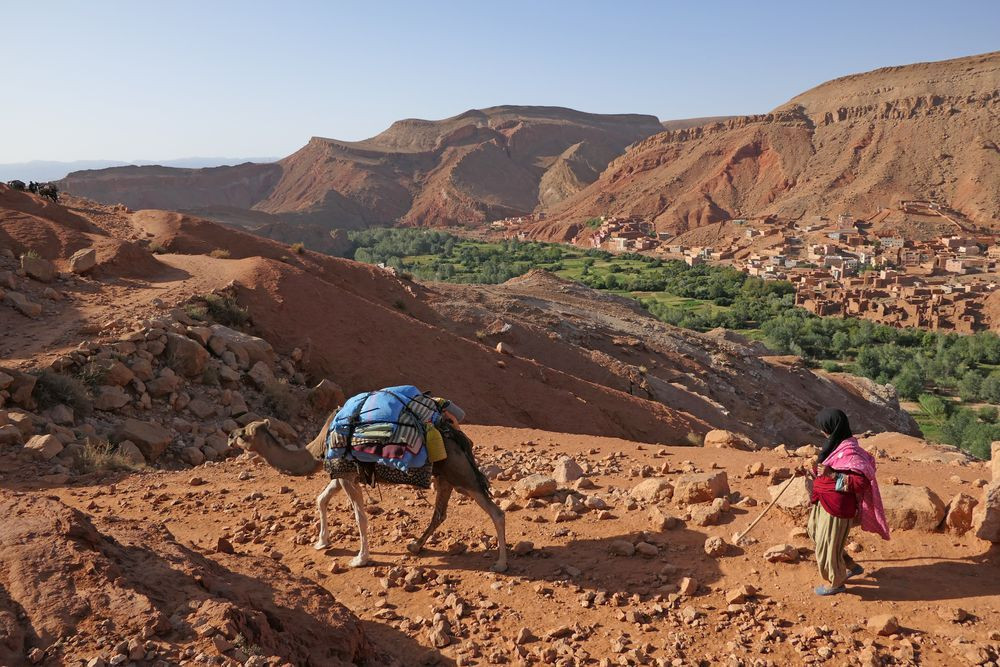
(919, 577)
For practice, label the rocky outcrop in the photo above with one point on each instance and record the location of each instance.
(986, 519)
(61, 572)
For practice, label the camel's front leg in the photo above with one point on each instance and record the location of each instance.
(322, 503)
(443, 489)
(358, 503)
(499, 522)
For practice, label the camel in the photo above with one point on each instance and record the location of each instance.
(457, 472)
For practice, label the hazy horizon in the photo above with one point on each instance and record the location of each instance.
(117, 79)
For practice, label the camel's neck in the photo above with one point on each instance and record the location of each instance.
(298, 462)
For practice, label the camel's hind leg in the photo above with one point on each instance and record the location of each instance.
(358, 503)
(322, 503)
(499, 522)
(443, 489)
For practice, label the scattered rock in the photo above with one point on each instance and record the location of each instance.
(38, 268)
(960, 509)
(43, 447)
(647, 550)
(687, 586)
(536, 486)
(131, 453)
(660, 519)
(110, 398)
(653, 489)
(523, 548)
(186, 356)
(83, 260)
(621, 548)
(10, 435)
(23, 304)
(883, 624)
(740, 594)
(716, 547)
(567, 470)
(782, 553)
(151, 439)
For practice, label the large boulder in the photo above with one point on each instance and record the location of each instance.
(23, 304)
(83, 260)
(912, 507)
(151, 439)
(38, 268)
(111, 397)
(959, 518)
(186, 356)
(247, 349)
(720, 439)
(536, 486)
(795, 500)
(261, 374)
(986, 518)
(167, 383)
(701, 487)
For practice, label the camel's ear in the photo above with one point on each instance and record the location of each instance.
(267, 424)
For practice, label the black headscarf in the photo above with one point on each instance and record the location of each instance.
(833, 422)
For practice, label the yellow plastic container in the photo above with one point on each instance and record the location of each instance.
(435, 444)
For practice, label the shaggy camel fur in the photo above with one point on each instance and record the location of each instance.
(458, 472)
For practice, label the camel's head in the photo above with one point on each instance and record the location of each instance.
(251, 437)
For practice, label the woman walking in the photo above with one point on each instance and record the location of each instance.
(845, 492)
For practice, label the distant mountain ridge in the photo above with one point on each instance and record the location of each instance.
(53, 170)
(475, 167)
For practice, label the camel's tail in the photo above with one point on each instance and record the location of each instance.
(465, 444)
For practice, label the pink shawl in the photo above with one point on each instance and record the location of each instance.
(849, 455)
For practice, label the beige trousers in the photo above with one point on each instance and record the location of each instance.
(830, 534)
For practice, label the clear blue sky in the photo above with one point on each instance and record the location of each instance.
(132, 80)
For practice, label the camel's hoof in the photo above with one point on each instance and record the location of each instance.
(414, 548)
(358, 561)
(319, 545)
(499, 567)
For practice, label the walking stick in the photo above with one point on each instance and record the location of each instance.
(740, 536)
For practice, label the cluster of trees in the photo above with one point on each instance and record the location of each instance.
(961, 427)
(918, 363)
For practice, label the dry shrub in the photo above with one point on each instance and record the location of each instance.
(52, 389)
(280, 399)
(219, 253)
(101, 456)
(298, 248)
(695, 439)
(222, 309)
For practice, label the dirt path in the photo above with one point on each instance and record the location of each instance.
(593, 604)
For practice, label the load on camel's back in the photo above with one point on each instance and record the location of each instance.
(396, 435)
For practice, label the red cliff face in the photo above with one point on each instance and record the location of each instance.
(925, 131)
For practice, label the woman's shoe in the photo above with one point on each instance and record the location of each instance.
(855, 571)
(827, 590)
